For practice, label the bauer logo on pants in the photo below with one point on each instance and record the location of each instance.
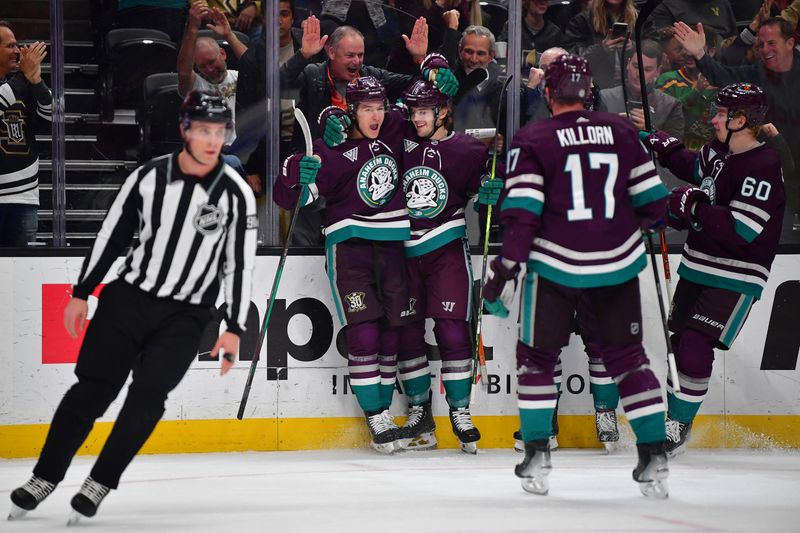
(355, 302)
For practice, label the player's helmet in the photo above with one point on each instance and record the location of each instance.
(424, 94)
(746, 99)
(207, 107)
(364, 89)
(569, 78)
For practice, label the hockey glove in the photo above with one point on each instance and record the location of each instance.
(490, 190)
(499, 288)
(436, 70)
(309, 166)
(682, 204)
(335, 123)
(660, 142)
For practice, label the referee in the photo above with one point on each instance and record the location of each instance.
(197, 223)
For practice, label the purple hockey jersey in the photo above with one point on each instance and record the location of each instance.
(583, 185)
(741, 228)
(439, 178)
(360, 180)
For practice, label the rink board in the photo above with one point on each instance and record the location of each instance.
(301, 400)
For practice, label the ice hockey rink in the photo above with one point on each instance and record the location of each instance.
(439, 490)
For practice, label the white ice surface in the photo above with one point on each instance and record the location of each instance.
(436, 491)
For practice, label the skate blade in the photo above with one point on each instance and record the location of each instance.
(74, 518)
(552, 443)
(386, 448)
(611, 447)
(537, 484)
(519, 446)
(16, 512)
(420, 442)
(656, 489)
(469, 447)
(680, 450)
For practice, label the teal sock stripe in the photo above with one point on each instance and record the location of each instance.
(536, 424)
(604, 396)
(650, 428)
(457, 392)
(681, 410)
(417, 389)
(369, 397)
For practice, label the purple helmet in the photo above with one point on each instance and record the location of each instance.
(569, 78)
(364, 89)
(744, 98)
(424, 94)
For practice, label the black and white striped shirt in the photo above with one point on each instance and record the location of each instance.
(192, 234)
(19, 161)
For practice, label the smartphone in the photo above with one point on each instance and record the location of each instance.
(633, 104)
(619, 29)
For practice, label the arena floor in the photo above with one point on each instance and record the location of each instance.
(436, 491)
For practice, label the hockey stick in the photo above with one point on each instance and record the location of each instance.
(645, 12)
(301, 119)
(484, 374)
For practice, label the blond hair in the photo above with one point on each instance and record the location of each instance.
(602, 15)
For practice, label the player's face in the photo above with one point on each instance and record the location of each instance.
(285, 20)
(205, 140)
(347, 58)
(370, 117)
(9, 50)
(720, 123)
(775, 51)
(211, 63)
(475, 53)
(423, 120)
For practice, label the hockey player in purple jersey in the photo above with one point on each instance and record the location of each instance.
(580, 188)
(366, 222)
(442, 171)
(733, 211)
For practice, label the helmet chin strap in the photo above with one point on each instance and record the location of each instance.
(436, 127)
(732, 131)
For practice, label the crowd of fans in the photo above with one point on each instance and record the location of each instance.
(691, 49)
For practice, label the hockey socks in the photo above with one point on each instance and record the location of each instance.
(694, 355)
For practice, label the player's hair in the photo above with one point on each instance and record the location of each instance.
(340, 33)
(6, 24)
(787, 30)
(480, 31)
(290, 2)
(651, 49)
(602, 17)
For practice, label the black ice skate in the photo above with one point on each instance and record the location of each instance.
(417, 432)
(28, 496)
(535, 467)
(652, 471)
(607, 429)
(466, 432)
(87, 500)
(677, 437)
(383, 430)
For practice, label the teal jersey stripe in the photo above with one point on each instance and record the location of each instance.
(698, 179)
(528, 307)
(652, 194)
(331, 268)
(745, 232)
(720, 282)
(369, 234)
(434, 243)
(528, 204)
(737, 322)
(583, 281)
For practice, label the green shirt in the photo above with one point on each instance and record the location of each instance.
(697, 106)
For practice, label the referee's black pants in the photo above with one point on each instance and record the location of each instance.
(131, 330)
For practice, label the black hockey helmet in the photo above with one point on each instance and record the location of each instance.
(569, 78)
(746, 99)
(206, 107)
(364, 89)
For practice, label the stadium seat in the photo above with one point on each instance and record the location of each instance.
(157, 115)
(132, 54)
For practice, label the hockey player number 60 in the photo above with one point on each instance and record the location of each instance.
(579, 210)
(761, 190)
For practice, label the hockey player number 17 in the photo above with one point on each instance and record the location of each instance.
(579, 210)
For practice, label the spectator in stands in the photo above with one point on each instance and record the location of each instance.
(560, 15)
(438, 16)
(23, 95)
(740, 51)
(685, 83)
(206, 56)
(717, 14)
(168, 16)
(665, 111)
(591, 34)
(778, 74)
(242, 15)
(368, 17)
(537, 33)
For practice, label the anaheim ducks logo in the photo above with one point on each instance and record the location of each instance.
(377, 180)
(208, 219)
(426, 192)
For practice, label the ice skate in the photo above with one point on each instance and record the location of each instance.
(417, 432)
(553, 440)
(383, 430)
(607, 429)
(677, 437)
(652, 471)
(519, 444)
(87, 500)
(468, 435)
(28, 496)
(535, 467)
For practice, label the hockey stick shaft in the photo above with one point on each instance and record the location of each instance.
(301, 119)
(673, 368)
(484, 373)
